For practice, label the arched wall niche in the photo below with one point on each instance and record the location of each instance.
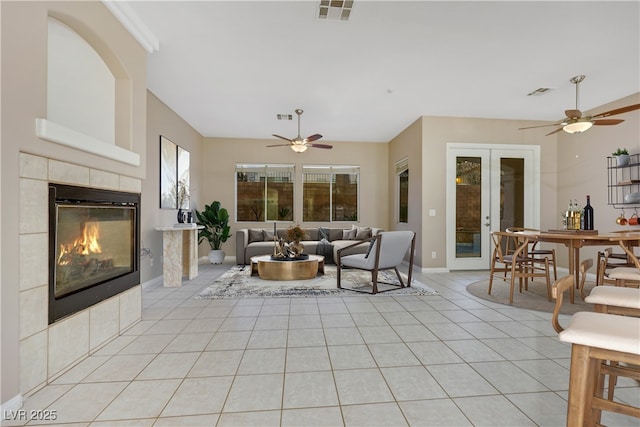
(110, 109)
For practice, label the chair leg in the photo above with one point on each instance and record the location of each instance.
(374, 281)
(599, 272)
(338, 273)
(546, 269)
(581, 384)
(399, 277)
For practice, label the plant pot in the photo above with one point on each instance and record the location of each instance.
(216, 256)
(622, 159)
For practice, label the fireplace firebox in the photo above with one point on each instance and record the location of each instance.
(93, 246)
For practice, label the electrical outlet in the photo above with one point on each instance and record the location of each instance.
(151, 262)
(433, 254)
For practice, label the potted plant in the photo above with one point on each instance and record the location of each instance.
(216, 229)
(622, 156)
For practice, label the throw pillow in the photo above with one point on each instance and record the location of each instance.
(255, 235)
(371, 245)
(362, 233)
(349, 234)
(268, 235)
(335, 234)
(323, 233)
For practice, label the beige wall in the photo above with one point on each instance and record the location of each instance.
(161, 120)
(436, 133)
(408, 144)
(582, 168)
(220, 156)
(24, 76)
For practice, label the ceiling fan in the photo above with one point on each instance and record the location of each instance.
(298, 144)
(576, 122)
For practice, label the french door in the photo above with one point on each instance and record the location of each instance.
(489, 187)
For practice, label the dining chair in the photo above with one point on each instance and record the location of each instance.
(538, 252)
(626, 276)
(386, 252)
(596, 338)
(516, 264)
(607, 260)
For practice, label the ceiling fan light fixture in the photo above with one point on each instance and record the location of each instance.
(577, 127)
(299, 148)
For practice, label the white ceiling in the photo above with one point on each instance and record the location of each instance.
(228, 67)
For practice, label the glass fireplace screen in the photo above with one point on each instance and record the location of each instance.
(94, 244)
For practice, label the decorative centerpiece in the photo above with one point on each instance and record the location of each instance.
(295, 234)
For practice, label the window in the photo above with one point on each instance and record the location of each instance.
(264, 192)
(402, 172)
(330, 193)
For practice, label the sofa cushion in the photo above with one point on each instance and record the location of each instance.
(256, 235)
(335, 234)
(312, 234)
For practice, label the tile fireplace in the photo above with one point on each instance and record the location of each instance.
(94, 246)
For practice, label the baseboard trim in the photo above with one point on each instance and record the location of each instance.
(12, 404)
(434, 270)
(155, 281)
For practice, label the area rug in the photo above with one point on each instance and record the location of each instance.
(533, 299)
(237, 282)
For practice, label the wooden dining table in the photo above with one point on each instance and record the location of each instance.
(574, 240)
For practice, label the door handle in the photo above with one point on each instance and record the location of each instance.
(487, 224)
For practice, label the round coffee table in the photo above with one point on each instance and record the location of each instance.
(302, 269)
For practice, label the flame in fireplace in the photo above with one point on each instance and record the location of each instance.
(85, 245)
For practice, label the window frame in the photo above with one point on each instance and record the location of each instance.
(401, 167)
(332, 171)
(254, 167)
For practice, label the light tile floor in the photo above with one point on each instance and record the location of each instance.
(445, 360)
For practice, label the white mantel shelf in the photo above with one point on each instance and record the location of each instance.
(179, 253)
(54, 132)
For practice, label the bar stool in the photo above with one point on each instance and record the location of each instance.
(596, 338)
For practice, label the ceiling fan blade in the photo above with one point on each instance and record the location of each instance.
(617, 111)
(279, 145)
(282, 137)
(555, 131)
(540, 126)
(573, 114)
(320, 146)
(313, 137)
(607, 122)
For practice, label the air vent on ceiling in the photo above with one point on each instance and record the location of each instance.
(335, 10)
(539, 91)
(284, 116)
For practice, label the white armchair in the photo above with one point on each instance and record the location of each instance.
(386, 251)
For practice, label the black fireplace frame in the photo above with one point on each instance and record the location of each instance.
(84, 298)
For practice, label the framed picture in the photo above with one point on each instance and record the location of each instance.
(183, 178)
(174, 175)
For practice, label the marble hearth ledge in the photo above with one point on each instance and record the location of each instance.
(179, 253)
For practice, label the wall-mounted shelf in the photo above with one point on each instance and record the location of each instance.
(622, 181)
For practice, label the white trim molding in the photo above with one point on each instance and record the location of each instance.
(132, 22)
(59, 134)
(11, 407)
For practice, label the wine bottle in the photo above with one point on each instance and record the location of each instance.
(588, 215)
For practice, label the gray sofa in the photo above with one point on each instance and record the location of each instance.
(252, 242)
